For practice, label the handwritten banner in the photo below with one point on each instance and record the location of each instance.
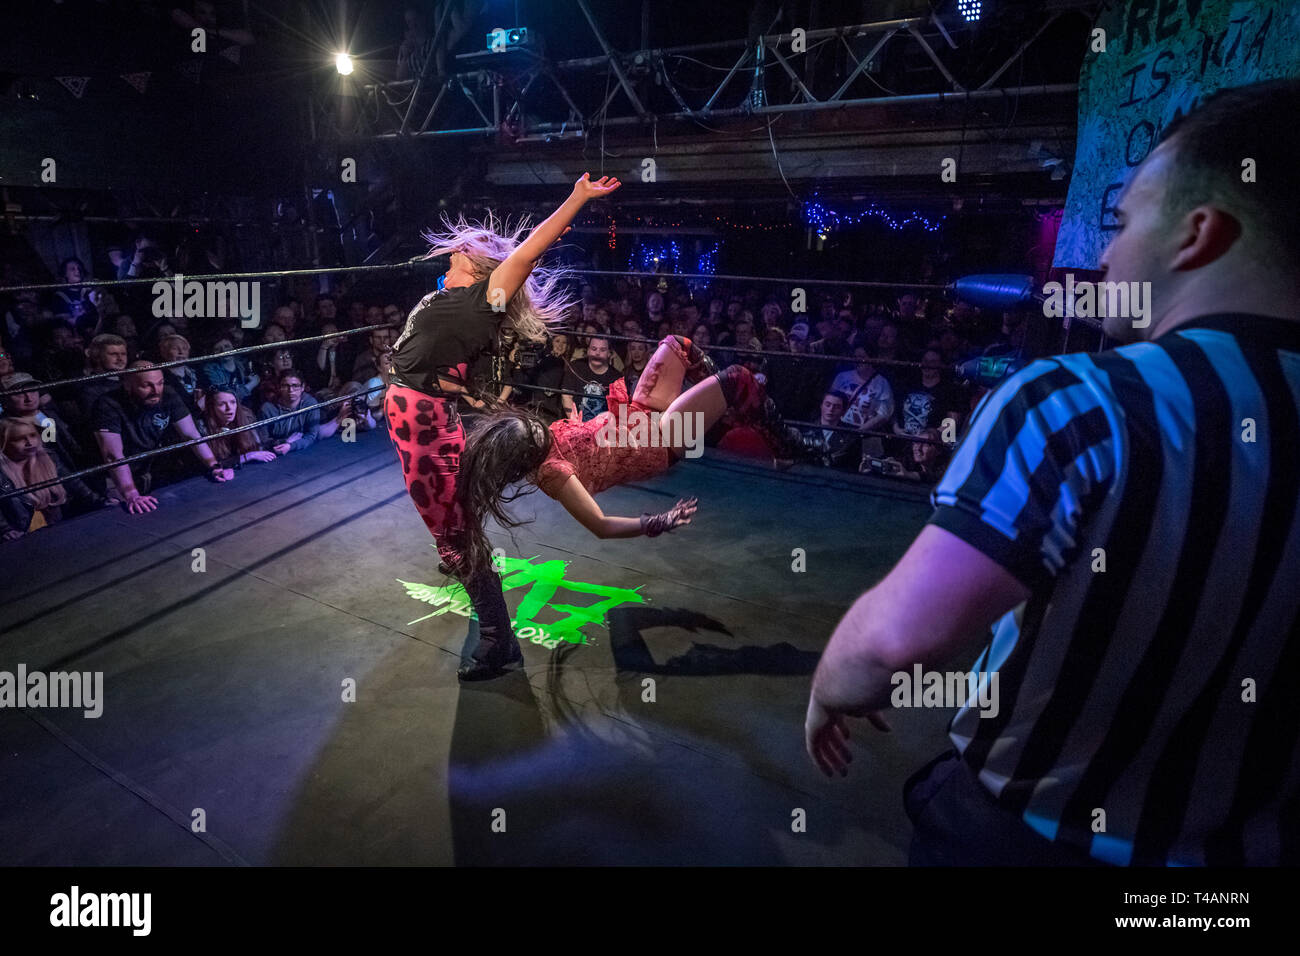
(1162, 57)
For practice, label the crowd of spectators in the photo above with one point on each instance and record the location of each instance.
(866, 375)
(873, 378)
(76, 331)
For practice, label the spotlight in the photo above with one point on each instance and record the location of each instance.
(970, 9)
(343, 63)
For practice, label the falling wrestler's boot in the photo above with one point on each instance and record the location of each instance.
(698, 364)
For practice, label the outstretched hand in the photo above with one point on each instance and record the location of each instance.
(679, 514)
(587, 189)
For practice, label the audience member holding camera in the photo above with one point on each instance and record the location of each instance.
(355, 410)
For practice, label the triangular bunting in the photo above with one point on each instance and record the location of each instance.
(190, 69)
(137, 80)
(231, 53)
(76, 85)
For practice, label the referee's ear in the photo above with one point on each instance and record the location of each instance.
(1205, 234)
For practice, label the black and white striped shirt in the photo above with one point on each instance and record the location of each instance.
(1148, 712)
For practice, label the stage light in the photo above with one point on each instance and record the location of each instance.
(970, 9)
(343, 63)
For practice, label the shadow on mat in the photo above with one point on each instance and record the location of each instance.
(632, 653)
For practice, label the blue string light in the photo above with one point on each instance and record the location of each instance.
(707, 264)
(667, 257)
(823, 220)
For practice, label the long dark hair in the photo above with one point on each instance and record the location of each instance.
(222, 445)
(504, 447)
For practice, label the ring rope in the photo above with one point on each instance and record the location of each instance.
(19, 389)
(189, 443)
(216, 277)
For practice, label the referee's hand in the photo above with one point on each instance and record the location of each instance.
(826, 736)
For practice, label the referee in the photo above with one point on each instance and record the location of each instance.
(1129, 525)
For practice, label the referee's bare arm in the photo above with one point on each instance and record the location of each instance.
(941, 595)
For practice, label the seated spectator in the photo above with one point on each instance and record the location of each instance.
(887, 342)
(774, 340)
(124, 327)
(548, 373)
(24, 461)
(233, 375)
(928, 398)
(740, 336)
(356, 410)
(630, 327)
(274, 333)
(366, 365)
(833, 341)
(831, 448)
(869, 405)
(638, 357)
(276, 362)
(135, 419)
(796, 383)
(49, 424)
(20, 328)
(326, 310)
(221, 412)
(296, 432)
(922, 461)
(61, 354)
(71, 300)
(702, 336)
(592, 376)
(772, 316)
(333, 361)
(356, 313)
(183, 379)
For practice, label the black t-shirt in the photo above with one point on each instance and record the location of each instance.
(918, 406)
(445, 333)
(141, 426)
(579, 377)
(549, 372)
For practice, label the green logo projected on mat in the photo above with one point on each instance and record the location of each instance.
(543, 581)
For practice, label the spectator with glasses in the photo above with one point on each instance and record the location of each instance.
(298, 431)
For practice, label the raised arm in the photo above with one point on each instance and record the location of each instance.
(511, 274)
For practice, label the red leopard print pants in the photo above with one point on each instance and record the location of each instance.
(429, 438)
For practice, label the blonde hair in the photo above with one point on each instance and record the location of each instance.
(543, 299)
(33, 471)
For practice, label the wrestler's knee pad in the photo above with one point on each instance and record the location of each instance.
(741, 389)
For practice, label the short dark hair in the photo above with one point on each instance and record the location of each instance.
(832, 393)
(292, 373)
(1210, 143)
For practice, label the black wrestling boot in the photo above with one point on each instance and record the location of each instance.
(699, 365)
(498, 651)
(476, 670)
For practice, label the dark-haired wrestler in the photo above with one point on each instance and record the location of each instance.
(570, 462)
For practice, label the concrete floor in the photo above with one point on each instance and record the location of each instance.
(223, 688)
